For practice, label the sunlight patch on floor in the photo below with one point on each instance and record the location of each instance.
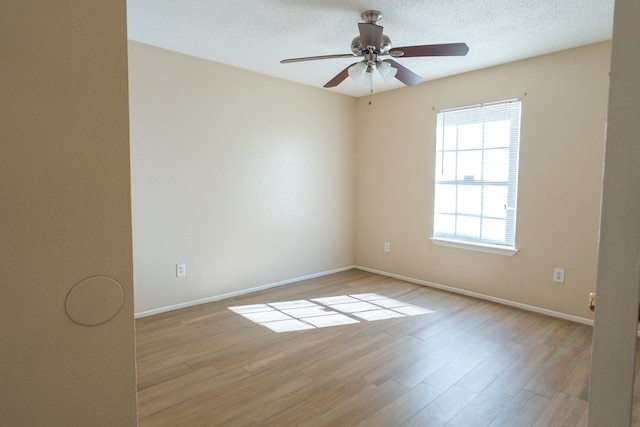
(323, 312)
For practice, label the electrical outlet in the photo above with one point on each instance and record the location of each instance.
(181, 270)
(558, 275)
(387, 247)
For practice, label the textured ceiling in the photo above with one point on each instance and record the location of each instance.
(257, 34)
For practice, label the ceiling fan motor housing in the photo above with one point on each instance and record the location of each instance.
(358, 49)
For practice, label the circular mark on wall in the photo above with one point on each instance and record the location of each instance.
(94, 300)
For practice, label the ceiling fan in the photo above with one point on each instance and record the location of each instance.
(372, 44)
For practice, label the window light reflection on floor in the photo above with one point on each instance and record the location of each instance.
(299, 315)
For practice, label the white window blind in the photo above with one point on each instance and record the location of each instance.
(476, 179)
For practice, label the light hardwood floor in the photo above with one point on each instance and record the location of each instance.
(468, 363)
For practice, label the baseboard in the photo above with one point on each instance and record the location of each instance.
(527, 307)
(237, 293)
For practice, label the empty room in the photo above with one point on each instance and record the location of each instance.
(319, 214)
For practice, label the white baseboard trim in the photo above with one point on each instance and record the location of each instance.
(527, 307)
(237, 293)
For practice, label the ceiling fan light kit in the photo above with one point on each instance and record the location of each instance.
(357, 72)
(371, 44)
(386, 71)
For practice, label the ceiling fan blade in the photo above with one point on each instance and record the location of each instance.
(446, 49)
(340, 77)
(404, 74)
(314, 58)
(370, 34)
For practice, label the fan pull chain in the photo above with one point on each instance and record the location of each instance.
(371, 90)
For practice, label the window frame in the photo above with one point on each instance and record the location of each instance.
(511, 110)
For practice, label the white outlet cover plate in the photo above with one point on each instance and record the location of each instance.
(181, 270)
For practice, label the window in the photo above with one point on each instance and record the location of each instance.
(476, 177)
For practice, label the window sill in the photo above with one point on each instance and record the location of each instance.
(474, 247)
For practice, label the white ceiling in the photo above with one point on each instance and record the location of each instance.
(257, 34)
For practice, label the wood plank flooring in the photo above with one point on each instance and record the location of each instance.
(468, 363)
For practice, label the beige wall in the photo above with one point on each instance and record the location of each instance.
(564, 104)
(248, 179)
(245, 178)
(65, 212)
